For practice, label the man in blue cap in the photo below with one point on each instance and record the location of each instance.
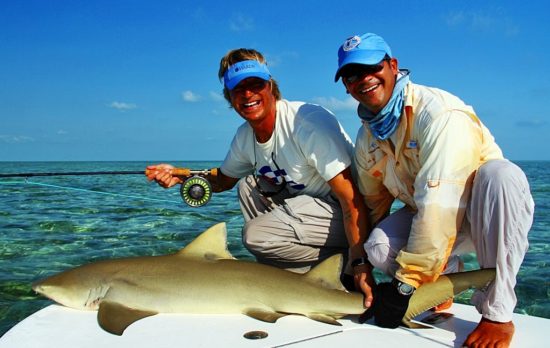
(293, 159)
(426, 148)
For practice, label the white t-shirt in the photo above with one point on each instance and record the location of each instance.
(309, 146)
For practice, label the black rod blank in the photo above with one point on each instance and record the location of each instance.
(27, 175)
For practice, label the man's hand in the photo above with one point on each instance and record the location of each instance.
(389, 306)
(364, 282)
(162, 174)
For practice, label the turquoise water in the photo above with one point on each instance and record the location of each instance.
(49, 224)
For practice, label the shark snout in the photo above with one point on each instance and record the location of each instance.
(37, 287)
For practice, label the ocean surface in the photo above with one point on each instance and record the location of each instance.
(50, 224)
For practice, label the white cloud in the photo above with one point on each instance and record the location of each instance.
(335, 104)
(455, 18)
(190, 97)
(215, 96)
(481, 22)
(15, 139)
(62, 132)
(535, 124)
(280, 58)
(240, 22)
(122, 106)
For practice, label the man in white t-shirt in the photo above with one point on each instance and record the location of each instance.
(293, 159)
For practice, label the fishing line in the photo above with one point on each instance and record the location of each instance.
(195, 191)
(87, 191)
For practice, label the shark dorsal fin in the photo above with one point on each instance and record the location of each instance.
(327, 273)
(209, 245)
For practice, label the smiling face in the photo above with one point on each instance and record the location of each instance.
(253, 100)
(373, 85)
(239, 55)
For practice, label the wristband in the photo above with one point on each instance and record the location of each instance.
(360, 261)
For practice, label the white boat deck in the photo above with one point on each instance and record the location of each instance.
(61, 327)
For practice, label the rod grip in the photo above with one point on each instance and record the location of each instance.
(186, 172)
(181, 172)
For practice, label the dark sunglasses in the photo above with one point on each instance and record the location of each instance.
(256, 179)
(357, 71)
(254, 85)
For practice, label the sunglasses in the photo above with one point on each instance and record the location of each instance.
(257, 180)
(358, 71)
(253, 85)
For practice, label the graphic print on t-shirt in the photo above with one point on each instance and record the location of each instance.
(277, 176)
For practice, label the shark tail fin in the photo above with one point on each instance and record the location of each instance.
(444, 288)
(327, 273)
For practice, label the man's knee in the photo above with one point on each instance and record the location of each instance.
(500, 174)
(263, 236)
(251, 238)
(377, 248)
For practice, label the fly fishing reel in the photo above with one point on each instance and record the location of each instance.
(196, 190)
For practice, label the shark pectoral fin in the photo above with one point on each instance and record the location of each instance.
(264, 315)
(327, 273)
(209, 245)
(323, 318)
(115, 318)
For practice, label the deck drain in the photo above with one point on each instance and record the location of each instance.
(255, 335)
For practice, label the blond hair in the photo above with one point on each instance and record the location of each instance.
(238, 55)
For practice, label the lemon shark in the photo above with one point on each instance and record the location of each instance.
(204, 278)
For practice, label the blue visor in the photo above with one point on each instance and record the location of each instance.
(367, 49)
(245, 69)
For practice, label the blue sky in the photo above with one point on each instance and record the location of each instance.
(137, 80)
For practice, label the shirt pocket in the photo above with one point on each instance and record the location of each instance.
(377, 168)
(413, 157)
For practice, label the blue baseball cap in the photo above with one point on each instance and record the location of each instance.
(245, 69)
(367, 49)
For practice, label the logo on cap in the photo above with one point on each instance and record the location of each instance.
(351, 43)
(243, 67)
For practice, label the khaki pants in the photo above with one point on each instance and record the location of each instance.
(294, 233)
(498, 218)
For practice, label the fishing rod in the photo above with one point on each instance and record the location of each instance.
(28, 175)
(195, 191)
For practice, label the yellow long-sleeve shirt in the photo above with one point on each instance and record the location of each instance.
(429, 164)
